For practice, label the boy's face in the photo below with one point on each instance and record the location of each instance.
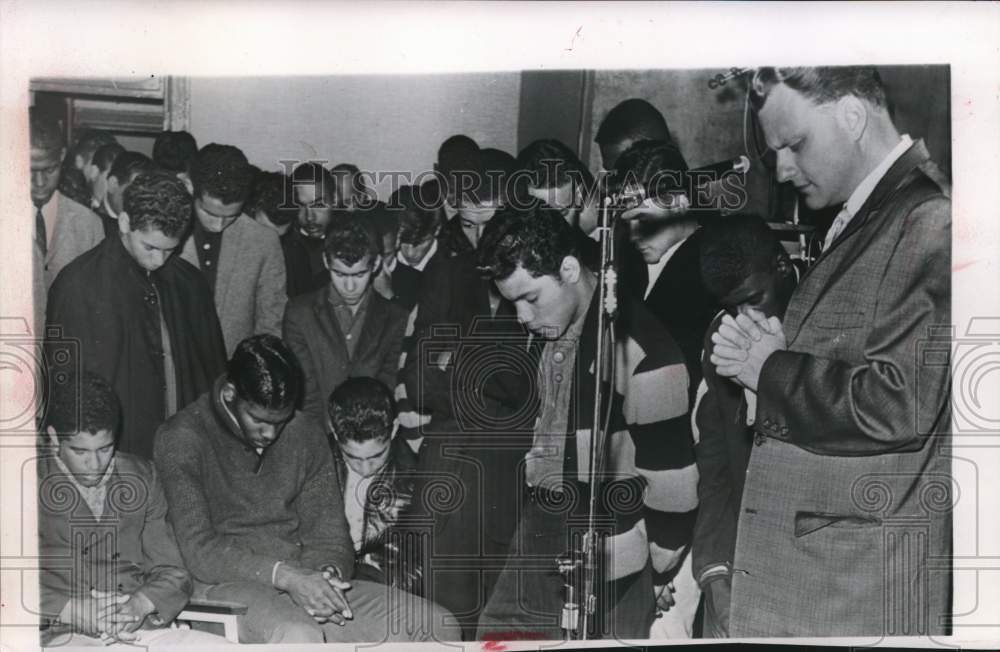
(44, 174)
(314, 212)
(150, 248)
(260, 426)
(474, 217)
(86, 454)
(414, 252)
(546, 305)
(98, 182)
(767, 292)
(351, 281)
(214, 215)
(365, 458)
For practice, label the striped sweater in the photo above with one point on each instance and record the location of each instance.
(650, 478)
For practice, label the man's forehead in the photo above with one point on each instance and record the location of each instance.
(156, 238)
(359, 267)
(269, 415)
(90, 440)
(40, 156)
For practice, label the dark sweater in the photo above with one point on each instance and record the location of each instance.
(236, 513)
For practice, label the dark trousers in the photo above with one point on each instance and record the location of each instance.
(527, 601)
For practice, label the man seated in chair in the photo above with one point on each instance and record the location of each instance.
(253, 497)
(375, 471)
(113, 572)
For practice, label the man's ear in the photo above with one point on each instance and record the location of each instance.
(569, 270)
(123, 224)
(79, 162)
(852, 115)
(377, 266)
(53, 437)
(112, 184)
(228, 392)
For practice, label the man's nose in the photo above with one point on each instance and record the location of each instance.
(37, 179)
(785, 165)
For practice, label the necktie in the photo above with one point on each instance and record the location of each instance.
(40, 236)
(839, 224)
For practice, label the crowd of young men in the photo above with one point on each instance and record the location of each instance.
(371, 421)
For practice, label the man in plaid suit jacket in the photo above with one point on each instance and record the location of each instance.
(845, 523)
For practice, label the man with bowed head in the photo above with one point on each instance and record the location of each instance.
(845, 399)
(259, 516)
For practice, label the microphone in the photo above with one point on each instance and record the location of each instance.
(715, 186)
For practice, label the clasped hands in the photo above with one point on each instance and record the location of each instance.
(111, 615)
(319, 593)
(743, 343)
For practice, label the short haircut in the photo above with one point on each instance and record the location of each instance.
(734, 247)
(550, 164)
(128, 165)
(536, 239)
(414, 216)
(174, 150)
(158, 201)
(221, 171)
(820, 84)
(44, 131)
(361, 409)
(356, 183)
(633, 119)
(90, 141)
(84, 403)
(312, 173)
(268, 196)
(265, 373)
(350, 238)
(105, 156)
(458, 152)
(653, 165)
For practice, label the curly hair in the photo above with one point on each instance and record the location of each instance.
(221, 171)
(654, 165)
(266, 373)
(84, 403)
(734, 247)
(820, 84)
(536, 239)
(361, 409)
(158, 201)
(268, 196)
(351, 238)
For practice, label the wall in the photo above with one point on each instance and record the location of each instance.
(378, 122)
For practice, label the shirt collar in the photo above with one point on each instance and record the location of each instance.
(111, 213)
(655, 269)
(423, 261)
(865, 188)
(337, 301)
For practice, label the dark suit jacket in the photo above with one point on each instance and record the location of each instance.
(312, 332)
(682, 304)
(846, 516)
(722, 454)
(131, 548)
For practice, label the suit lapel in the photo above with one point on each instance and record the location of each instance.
(328, 322)
(817, 277)
(374, 324)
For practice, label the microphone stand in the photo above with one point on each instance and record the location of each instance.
(580, 569)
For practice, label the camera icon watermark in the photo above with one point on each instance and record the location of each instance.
(976, 377)
(489, 374)
(33, 366)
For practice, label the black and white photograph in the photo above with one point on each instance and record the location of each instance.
(499, 325)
